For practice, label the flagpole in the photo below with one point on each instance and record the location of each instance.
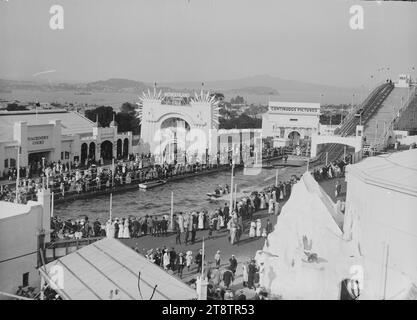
(18, 175)
(52, 205)
(231, 187)
(276, 178)
(202, 263)
(172, 211)
(111, 205)
(112, 172)
(234, 203)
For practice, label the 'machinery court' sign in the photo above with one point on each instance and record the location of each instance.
(37, 140)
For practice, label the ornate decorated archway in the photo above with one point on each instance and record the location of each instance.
(158, 111)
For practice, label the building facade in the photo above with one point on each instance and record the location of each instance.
(23, 227)
(290, 123)
(380, 220)
(57, 135)
(177, 126)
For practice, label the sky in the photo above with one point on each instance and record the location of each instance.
(203, 40)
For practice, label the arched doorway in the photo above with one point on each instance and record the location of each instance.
(92, 151)
(106, 150)
(294, 137)
(119, 148)
(125, 148)
(84, 152)
(176, 147)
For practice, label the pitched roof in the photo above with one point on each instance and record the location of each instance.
(92, 271)
(72, 122)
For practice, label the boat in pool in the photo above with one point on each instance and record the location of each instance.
(213, 195)
(151, 184)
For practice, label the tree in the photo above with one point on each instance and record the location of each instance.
(237, 100)
(15, 107)
(128, 107)
(105, 115)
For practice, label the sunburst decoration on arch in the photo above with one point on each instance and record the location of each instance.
(150, 95)
(214, 105)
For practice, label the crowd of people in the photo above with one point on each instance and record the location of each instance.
(334, 169)
(64, 180)
(220, 276)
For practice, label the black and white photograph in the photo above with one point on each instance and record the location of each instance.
(208, 152)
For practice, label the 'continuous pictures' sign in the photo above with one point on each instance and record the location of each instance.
(38, 140)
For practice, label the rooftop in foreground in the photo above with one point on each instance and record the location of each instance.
(397, 171)
(92, 272)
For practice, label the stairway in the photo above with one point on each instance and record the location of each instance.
(369, 107)
(377, 123)
(408, 118)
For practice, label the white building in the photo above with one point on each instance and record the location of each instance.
(290, 122)
(404, 81)
(57, 135)
(380, 223)
(176, 125)
(23, 227)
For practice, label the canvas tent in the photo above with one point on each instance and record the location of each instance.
(93, 271)
(305, 227)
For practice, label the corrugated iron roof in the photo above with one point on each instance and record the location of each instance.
(93, 271)
(72, 122)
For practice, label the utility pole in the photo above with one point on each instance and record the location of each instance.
(18, 175)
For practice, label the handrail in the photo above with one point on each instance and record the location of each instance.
(380, 143)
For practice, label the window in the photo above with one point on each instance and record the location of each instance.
(293, 119)
(25, 279)
(12, 163)
(6, 163)
(62, 156)
(66, 155)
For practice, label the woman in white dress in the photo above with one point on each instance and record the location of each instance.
(188, 259)
(121, 230)
(252, 229)
(276, 208)
(109, 234)
(263, 202)
(258, 228)
(166, 260)
(126, 233)
(245, 274)
(221, 222)
(271, 206)
(201, 220)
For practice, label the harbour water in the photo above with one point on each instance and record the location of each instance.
(189, 194)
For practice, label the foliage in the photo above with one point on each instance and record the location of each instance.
(242, 122)
(15, 107)
(126, 119)
(105, 115)
(237, 100)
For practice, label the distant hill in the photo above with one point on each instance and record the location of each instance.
(255, 81)
(254, 91)
(117, 85)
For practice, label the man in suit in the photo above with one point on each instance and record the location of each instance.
(228, 277)
(180, 264)
(233, 264)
